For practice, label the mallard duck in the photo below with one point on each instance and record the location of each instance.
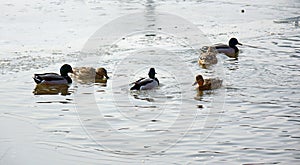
(54, 78)
(209, 57)
(146, 83)
(90, 73)
(230, 50)
(207, 84)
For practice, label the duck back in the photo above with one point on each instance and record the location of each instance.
(145, 84)
(51, 78)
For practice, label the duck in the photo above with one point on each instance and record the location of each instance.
(229, 50)
(90, 73)
(54, 78)
(207, 84)
(208, 58)
(146, 83)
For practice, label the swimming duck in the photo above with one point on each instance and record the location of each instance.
(207, 84)
(209, 57)
(90, 73)
(230, 50)
(146, 83)
(54, 78)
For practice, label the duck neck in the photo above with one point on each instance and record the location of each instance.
(98, 76)
(152, 76)
(235, 48)
(156, 80)
(68, 78)
(63, 74)
(200, 83)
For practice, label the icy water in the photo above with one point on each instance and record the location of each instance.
(252, 119)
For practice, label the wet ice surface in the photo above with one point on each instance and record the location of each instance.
(258, 122)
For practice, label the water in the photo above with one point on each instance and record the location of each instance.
(252, 119)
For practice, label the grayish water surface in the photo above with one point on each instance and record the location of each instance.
(254, 118)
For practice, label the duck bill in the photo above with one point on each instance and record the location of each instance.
(239, 43)
(194, 83)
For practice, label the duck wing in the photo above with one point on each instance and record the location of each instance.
(137, 85)
(145, 81)
(49, 76)
(208, 58)
(141, 82)
(213, 83)
(84, 71)
(229, 51)
(38, 78)
(221, 46)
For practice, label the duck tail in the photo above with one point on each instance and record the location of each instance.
(135, 87)
(37, 79)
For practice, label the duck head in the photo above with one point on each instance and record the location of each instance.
(65, 69)
(199, 80)
(233, 42)
(101, 72)
(152, 73)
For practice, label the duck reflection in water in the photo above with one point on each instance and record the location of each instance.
(46, 89)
